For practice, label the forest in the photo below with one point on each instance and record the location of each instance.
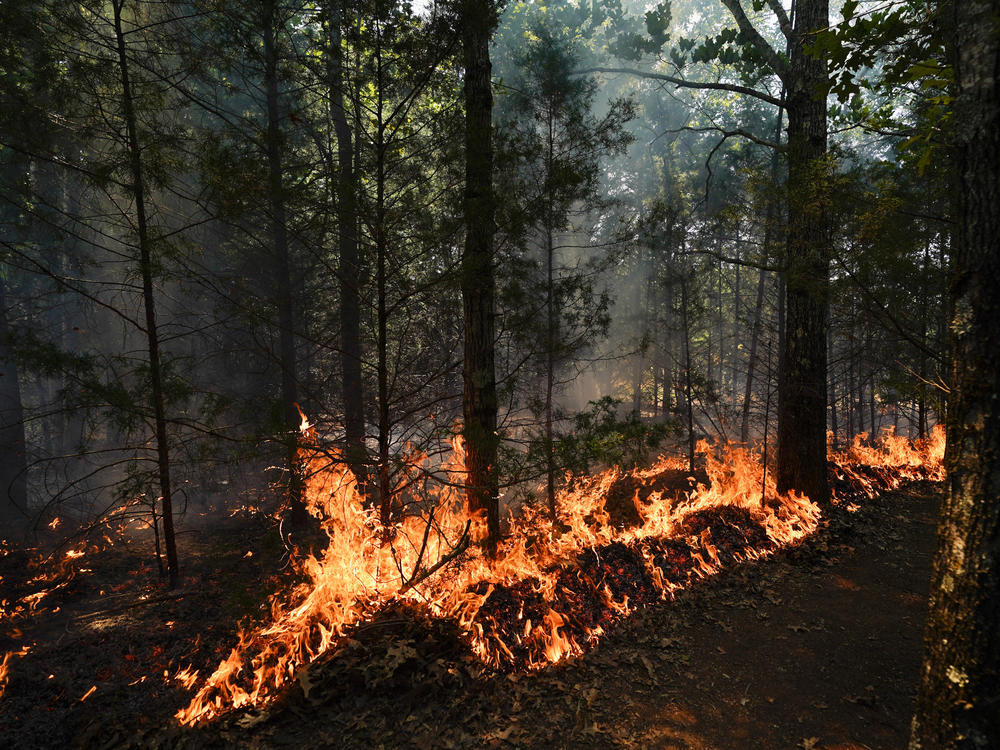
(500, 373)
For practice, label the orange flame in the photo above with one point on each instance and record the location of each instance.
(519, 607)
(5, 666)
(872, 466)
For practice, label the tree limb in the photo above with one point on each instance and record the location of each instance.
(682, 83)
(783, 22)
(778, 65)
(737, 132)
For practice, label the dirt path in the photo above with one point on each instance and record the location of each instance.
(816, 649)
(824, 654)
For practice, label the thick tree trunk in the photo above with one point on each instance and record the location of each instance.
(347, 245)
(478, 286)
(958, 702)
(146, 268)
(801, 461)
(282, 268)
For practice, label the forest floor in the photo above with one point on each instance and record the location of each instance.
(816, 648)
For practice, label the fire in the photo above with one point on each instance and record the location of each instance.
(5, 668)
(871, 466)
(186, 677)
(550, 591)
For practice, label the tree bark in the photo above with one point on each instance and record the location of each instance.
(381, 272)
(550, 318)
(832, 380)
(958, 702)
(688, 386)
(478, 285)
(282, 268)
(347, 244)
(13, 462)
(146, 269)
(801, 462)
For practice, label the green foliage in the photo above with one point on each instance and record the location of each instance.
(631, 37)
(601, 437)
(881, 57)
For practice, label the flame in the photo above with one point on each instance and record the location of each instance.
(186, 677)
(867, 466)
(55, 573)
(551, 590)
(5, 666)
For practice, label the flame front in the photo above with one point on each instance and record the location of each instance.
(550, 590)
(871, 466)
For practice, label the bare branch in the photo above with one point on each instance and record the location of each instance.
(682, 83)
(456, 551)
(735, 133)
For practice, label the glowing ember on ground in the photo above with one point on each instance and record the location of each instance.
(549, 592)
(5, 668)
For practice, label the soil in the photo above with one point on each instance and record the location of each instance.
(816, 648)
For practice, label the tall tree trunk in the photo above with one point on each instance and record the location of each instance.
(13, 460)
(13, 448)
(688, 386)
(146, 269)
(769, 219)
(852, 356)
(347, 246)
(833, 389)
(550, 367)
(720, 330)
(735, 349)
(642, 313)
(922, 366)
(382, 315)
(550, 320)
(801, 461)
(958, 702)
(282, 268)
(478, 286)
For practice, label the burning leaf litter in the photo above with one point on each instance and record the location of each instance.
(551, 591)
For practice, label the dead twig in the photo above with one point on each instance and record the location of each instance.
(456, 551)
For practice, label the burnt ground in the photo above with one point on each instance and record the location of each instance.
(817, 648)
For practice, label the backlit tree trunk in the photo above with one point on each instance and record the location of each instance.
(282, 265)
(347, 244)
(958, 703)
(801, 463)
(146, 269)
(478, 285)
